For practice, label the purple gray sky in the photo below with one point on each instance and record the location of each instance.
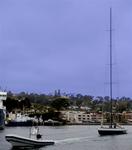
(64, 44)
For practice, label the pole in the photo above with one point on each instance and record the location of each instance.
(111, 75)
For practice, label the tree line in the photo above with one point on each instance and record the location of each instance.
(58, 101)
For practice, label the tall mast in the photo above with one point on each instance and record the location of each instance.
(111, 75)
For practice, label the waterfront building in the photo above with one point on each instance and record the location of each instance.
(3, 97)
(81, 117)
(127, 117)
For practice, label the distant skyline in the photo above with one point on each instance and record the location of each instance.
(47, 45)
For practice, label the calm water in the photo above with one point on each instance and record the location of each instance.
(73, 138)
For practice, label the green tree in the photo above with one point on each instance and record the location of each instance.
(60, 103)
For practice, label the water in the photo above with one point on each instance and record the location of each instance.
(73, 138)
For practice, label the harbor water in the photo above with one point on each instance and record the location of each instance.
(73, 138)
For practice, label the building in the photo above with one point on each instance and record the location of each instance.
(3, 97)
(81, 117)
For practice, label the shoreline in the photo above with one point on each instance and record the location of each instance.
(67, 124)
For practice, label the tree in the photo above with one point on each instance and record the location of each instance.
(11, 104)
(60, 103)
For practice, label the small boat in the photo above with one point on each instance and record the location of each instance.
(20, 141)
(51, 122)
(25, 142)
(20, 120)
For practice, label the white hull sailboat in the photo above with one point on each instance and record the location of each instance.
(113, 128)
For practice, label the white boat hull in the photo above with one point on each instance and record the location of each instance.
(19, 141)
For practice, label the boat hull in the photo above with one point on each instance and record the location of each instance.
(112, 131)
(18, 141)
(19, 123)
(2, 119)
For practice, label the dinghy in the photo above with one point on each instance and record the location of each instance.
(25, 142)
(19, 141)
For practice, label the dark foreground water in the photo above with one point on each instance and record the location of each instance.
(73, 138)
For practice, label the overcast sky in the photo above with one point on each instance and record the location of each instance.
(64, 44)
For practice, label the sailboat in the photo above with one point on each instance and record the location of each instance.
(113, 128)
